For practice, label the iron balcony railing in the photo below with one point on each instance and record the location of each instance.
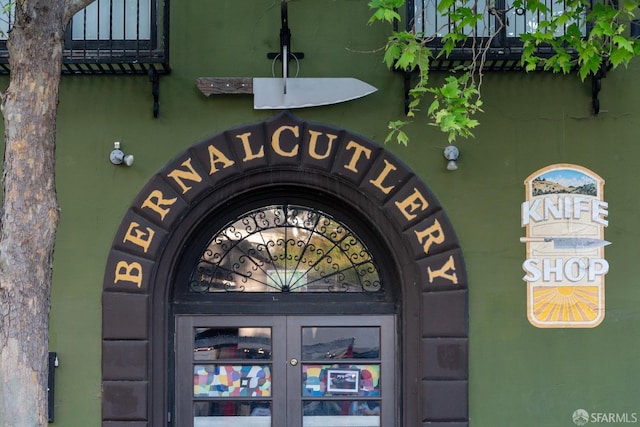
(122, 37)
(496, 38)
(497, 34)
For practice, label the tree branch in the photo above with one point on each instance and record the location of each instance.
(74, 6)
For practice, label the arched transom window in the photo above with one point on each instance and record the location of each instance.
(285, 248)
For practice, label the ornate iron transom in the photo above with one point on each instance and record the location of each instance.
(285, 248)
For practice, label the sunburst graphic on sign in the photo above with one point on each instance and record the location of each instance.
(565, 303)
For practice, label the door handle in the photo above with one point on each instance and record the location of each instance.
(293, 362)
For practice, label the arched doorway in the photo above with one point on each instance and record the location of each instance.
(281, 295)
(155, 319)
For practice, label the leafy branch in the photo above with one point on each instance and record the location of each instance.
(587, 36)
(458, 98)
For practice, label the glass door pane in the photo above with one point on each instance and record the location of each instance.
(225, 370)
(285, 371)
(341, 378)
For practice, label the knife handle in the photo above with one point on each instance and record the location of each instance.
(225, 85)
(534, 239)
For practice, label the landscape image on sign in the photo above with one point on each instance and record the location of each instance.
(564, 181)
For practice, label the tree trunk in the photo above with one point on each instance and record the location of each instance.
(30, 209)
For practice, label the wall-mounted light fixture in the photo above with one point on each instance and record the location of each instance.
(451, 153)
(118, 157)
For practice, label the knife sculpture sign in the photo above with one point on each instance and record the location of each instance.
(564, 217)
(284, 93)
(287, 92)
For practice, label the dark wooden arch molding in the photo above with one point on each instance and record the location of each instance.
(420, 239)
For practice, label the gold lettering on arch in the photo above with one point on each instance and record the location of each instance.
(244, 138)
(431, 235)
(138, 236)
(409, 205)
(180, 175)
(157, 203)
(447, 271)
(275, 141)
(358, 151)
(385, 172)
(313, 143)
(217, 156)
(128, 272)
(412, 206)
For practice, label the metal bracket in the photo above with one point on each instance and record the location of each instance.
(596, 84)
(407, 88)
(285, 53)
(154, 78)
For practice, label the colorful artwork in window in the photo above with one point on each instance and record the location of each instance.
(231, 380)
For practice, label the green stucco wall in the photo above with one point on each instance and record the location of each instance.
(519, 375)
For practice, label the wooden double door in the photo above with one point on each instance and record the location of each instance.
(286, 371)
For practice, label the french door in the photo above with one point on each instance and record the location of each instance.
(285, 371)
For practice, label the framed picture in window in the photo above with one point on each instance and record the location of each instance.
(343, 380)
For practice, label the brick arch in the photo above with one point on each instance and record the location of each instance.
(421, 243)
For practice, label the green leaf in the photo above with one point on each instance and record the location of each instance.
(392, 53)
(406, 59)
(574, 31)
(443, 5)
(397, 132)
(620, 56)
(601, 28)
(562, 19)
(433, 107)
(391, 15)
(384, 10)
(623, 43)
(417, 91)
(384, 15)
(590, 64)
(424, 59)
(414, 104)
(389, 137)
(450, 90)
(402, 138)
(536, 6)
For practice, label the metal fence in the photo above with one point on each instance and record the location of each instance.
(109, 37)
